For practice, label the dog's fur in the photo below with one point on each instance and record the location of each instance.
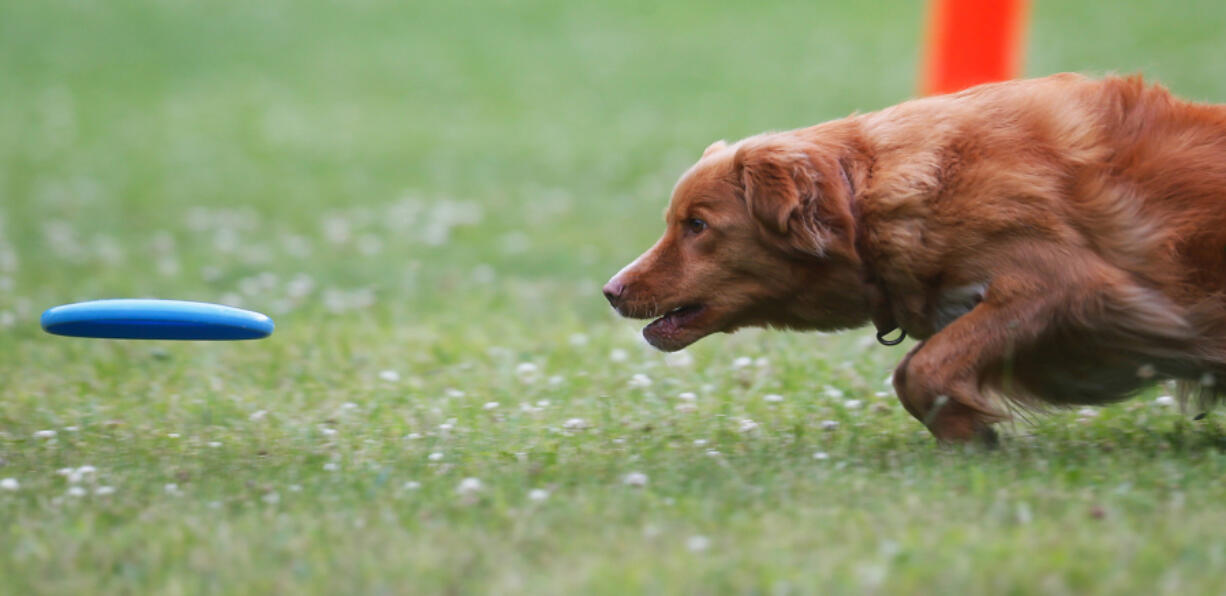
(1054, 241)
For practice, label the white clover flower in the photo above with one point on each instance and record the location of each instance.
(833, 392)
(272, 498)
(742, 362)
(528, 372)
(103, 491)
(80, 474)
(687, 396)
(446, 426)
(9, 484)
(455, 393)
(829, 424)
(327, 431)
(1087, 413)
(469, 486)
(679, 359)
(821, 455)
(538, 494)
(300, 286)
(348, 406)
(556, 380)
(44, 434)
(65, 472)
(172, 435)
(295, 488)
(369, 245)
(230, 299)
(490, 405)
(574, 424)
(331, 466)
(484, 274)
(619, 355)
(71, 429)
(542, 403)
(748, 425)
(685, 407)
(436, 456)
(258, 415)
(640, 381)
(1165, 401)
(700, 442)
(762, 362)
(172, 489)
(578, 339)
(853, 404)
(772, 398)
(389, 375)
(635, 479)
(76, 491)
(214, 444)
(712, 453)
(412, 485)
(697, 544)
(412, 436)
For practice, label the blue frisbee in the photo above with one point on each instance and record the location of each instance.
(156, 319)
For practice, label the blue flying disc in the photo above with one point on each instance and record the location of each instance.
(155, 319)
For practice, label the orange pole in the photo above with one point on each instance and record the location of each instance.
(972, 42)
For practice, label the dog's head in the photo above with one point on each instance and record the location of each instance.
(759, 233)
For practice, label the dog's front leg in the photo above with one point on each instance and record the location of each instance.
(950, 405)
(939, 381)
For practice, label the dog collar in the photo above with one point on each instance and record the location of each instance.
(881, 333)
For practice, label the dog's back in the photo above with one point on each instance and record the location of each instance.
(1174, 153)
(1123, 174)
(1123, 166)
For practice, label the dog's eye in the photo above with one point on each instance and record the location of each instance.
(695, 225)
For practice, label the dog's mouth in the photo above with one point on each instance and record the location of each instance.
(675, 329)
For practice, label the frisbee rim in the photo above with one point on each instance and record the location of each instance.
(156, 319)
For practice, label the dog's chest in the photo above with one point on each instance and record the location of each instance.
(923, 312)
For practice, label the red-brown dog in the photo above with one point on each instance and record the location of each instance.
(1053, 241)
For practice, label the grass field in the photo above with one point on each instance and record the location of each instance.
(427, 197)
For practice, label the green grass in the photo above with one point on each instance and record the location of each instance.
(438, 190)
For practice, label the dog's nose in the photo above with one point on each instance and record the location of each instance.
(613, 291)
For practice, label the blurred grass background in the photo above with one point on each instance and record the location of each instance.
(559, 127)
(437, 190)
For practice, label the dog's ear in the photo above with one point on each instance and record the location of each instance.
(777, 182)
(713, 147)
(798, 192)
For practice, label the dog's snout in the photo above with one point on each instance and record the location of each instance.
(613, 291)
